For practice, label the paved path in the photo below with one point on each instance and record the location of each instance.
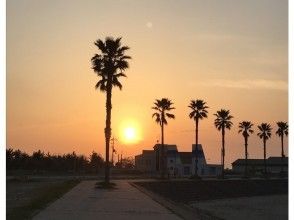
(86, 202)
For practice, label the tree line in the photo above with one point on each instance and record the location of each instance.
(70, 162)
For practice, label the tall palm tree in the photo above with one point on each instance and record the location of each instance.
(162, 107)
(198, 112)
(110, 64)
(282, 130)
(265, 132)
(222, 122)
(246, 128)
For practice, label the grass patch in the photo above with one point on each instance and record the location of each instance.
(104, 185)
(48, 195)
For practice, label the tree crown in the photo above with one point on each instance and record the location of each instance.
(282, 128)
(162, 107)
(223, 119)
(265, 131)
(198, 109)
(110, 63)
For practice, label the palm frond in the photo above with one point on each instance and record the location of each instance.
(101, 84)
(120, 75)
(115, 82)
(170, 115)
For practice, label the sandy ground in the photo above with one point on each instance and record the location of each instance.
(257, 207)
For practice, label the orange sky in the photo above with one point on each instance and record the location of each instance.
(232, 54)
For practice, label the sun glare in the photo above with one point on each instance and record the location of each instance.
(130, 131)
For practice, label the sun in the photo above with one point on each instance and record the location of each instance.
(129, 131)
(130, 134)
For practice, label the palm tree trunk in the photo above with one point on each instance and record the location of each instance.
(223, 152)
(162, 147)
(246, 156)
(264, 156)
(283, 155)
(162, 152)
(107, 130)
(282, 140)
(196, 148)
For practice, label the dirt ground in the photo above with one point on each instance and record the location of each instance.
(21, 192)
(186, 191)
(227, 199)
(256, 207)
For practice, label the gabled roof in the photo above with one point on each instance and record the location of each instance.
(199, 152)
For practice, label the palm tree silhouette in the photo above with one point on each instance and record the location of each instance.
(246, 128)
(222, 122)
(198, 112)
(264, 134)
(282, 130)
(162, 107)
(109, 65)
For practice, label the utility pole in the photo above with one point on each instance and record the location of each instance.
(121, 158)
(118, 159)
(113, 150)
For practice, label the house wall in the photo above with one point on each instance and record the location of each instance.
(174, 166)
(145, 163)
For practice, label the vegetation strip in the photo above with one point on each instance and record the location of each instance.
(49, 195)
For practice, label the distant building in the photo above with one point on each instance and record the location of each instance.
(274, 165)
(177, 164)
(146, 161)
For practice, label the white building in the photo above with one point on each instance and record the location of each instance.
(177, 164)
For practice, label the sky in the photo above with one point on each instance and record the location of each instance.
(232, 54)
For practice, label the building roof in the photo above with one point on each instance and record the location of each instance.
(249, 162)
(277, 160)
(199, 152)
(166, 146)
(271, 161)
(213, 165)
(186, 157)
(148, 152)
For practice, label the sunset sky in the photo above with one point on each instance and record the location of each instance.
(231, 53)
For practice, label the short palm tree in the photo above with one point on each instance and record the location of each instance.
(282, 130)
(223, 122)
(162, 107)
(198, 112)
(265, 132)
(110, 64)
(246, 128)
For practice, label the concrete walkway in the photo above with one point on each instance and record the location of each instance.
(86, 202)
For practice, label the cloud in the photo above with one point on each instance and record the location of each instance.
(247, 84)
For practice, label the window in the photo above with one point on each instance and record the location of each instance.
(171, 168)
(171, 161)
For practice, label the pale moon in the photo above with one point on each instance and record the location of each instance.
(149, 24)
